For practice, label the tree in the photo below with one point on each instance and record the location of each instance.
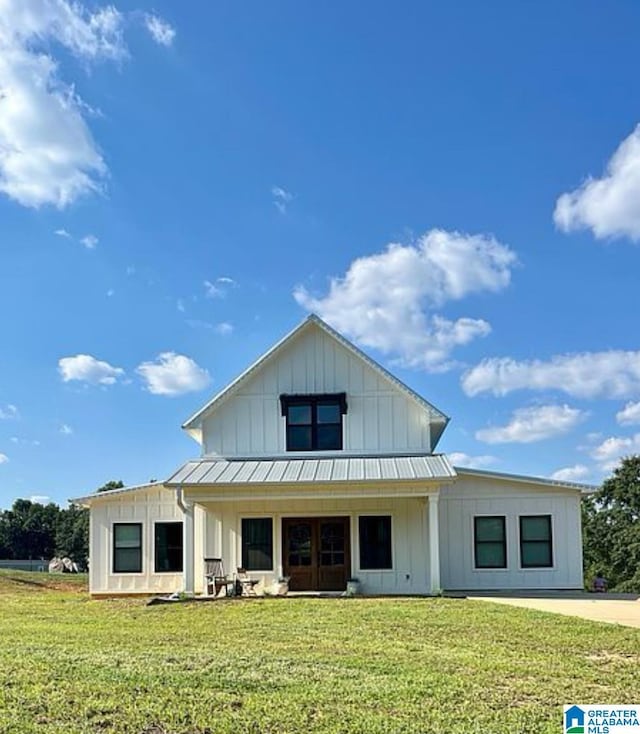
(28, 529)
(611, 528)
(113, 484)
(72, 534)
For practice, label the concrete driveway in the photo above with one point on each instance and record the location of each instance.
(613, 608)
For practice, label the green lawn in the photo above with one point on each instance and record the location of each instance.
(69, 664)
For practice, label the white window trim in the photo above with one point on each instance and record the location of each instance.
(127, 574)
(479, 569)
(256, 516)
(538, 569)
(153, 548)
(379, 513)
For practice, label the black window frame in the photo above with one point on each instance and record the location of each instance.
(363, 546)
(313, 401)
(502, 542)
(244, 549)
(116, 549)
(548, 541)
(157, 546)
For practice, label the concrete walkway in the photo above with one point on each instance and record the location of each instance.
(613, 608)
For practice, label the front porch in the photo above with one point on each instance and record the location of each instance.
(387, 539)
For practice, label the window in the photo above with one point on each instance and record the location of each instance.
(257, 544)
(168, 545)
(314, 422)
(375, 542)
(490, 542)
(127, 547)
(535, 541)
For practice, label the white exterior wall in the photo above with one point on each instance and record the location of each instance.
(380, 418)
(146, 506)
(409, 537)
(471, 496)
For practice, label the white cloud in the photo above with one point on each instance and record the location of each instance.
(574, 473)
(608, 206)
(40, 499)
(62, 233)
(281, 198)
(173, 374)
(387, 301)
(458, 458)
(533, 424)
(8, 412)
(130, 270)
(614, 448)
(629, 415)
(47, 152)
(3, 458)
(180, 305)
(66, 430)
(110, 293)
(161, 31)
(612, 374)
(90, 241)
(224, 328)
(86, 368)
(219, 287)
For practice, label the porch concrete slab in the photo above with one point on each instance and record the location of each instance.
(612, 608)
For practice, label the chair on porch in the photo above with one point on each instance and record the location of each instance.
(216, 582)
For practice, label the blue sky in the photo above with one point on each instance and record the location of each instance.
(454, 186)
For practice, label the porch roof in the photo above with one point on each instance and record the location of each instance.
(220, 471)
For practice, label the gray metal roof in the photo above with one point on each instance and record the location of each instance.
(300, 470)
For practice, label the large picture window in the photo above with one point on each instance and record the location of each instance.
(490, 542)
(127, 547)
(314, 422)
(257, 543)
(375, 542)
(536, 547)
(168, 547)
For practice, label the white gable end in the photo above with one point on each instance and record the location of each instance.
(380, 418)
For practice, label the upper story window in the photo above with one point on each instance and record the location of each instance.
(314, 422)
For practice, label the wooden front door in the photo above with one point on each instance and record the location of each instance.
(316, 553)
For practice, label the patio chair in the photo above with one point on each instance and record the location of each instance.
(245, 584)
(216, 583)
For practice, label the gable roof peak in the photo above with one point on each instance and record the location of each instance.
(193, 424)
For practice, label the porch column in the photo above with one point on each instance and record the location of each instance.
(434, 545)
(188, 550)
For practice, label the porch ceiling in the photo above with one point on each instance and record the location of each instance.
(326, 470)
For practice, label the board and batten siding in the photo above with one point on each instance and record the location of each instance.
(379, 419)
(409, 537)
(472, 496)
(146, 506)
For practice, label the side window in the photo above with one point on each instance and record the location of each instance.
(375, 542)
(168, 547)
(127, 547)
(536, 546)
(490, 542)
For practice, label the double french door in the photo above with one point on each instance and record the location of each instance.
(316, 553)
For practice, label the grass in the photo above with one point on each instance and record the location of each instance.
(69, 664)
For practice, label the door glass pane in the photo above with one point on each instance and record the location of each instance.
(299, 414)
(332, 543)
(328, 413)
(299, 550)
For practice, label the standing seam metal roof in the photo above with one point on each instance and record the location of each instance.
(301, 470)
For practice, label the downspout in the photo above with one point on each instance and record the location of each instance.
(180, 499)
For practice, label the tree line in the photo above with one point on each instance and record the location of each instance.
(30, 530)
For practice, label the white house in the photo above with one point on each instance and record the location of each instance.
(318, 464)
